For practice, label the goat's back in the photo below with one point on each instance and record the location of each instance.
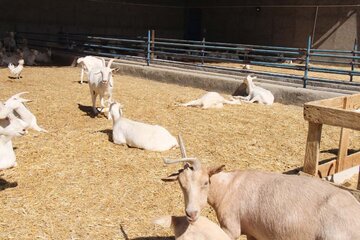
(277, 206)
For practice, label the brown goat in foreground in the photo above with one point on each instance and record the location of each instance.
(265, 205)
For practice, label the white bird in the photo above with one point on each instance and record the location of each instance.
(16, 71)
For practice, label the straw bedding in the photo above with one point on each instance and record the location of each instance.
(74, 183)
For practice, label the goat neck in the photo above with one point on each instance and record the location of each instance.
(219, 183)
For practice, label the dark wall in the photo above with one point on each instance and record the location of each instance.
(111, 18)
(267, 22)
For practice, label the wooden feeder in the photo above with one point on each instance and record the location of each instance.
(338, 112)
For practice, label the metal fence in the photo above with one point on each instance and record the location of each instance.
(301, 62)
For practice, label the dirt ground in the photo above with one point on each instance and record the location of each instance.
(74, 183)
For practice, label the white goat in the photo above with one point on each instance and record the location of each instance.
(44, 57)
(16, 71)
(12, 58)
(30, 56)
(7, 154)
(266, 205)
(139, 135)
(101, 83)
(9, 42)
(211, 100)
(87, 63)
(202, 229)
(256, 93)
(15, 105)
(10, 127)
(247, 67)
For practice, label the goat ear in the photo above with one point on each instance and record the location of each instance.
(172, 177)
(215, 170)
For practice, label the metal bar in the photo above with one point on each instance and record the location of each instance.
(333, 51)
(231, 44)
(202, 52)
(353, 62)
(148, 48)
(307, 61)
(228, 48)
(336, 62)
(314, 26)
(333, 56)
(334, 71)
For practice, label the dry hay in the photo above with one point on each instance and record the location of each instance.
(336, 77)
(73, 183)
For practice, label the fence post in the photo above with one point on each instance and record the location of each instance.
(152, 44)
(353, 61)
(307, 61)
(202, 51)
(148, 48)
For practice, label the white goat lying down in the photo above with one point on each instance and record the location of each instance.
(139, 135)
(256, 93)
(10, 127)
(7, 154)
(16, 71)
(202, 229)
(211, 100)
(87, 63)
(268, 206)
(14, 105)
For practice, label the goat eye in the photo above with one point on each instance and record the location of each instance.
(206, 183)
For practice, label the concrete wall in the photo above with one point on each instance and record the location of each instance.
(336, 28)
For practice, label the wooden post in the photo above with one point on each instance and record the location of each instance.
(312, 151)
(344, 142)
(152, 44)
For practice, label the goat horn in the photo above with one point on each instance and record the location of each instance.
(18, 95)
(193, 161)
(182, 147)
(110, 62)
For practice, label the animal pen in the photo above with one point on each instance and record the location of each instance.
(338, 112)
(309, 66)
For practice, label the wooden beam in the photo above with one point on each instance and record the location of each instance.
(332, 116)
(337, 102)
(327, 169)
(312, 150)
(352, 160)
(344, 142)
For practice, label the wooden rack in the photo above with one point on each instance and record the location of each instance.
(338, 112)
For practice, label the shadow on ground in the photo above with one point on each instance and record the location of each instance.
(5, 184)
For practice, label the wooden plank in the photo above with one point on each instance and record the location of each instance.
(331, 102)
(352, 160)
(337, 102)
(332, 116)
(327, 169)
(344, 142)
(312, 150)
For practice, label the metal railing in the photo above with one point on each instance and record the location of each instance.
(212, 55)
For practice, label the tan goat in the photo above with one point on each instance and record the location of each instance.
(202, 229)
(265, 205)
